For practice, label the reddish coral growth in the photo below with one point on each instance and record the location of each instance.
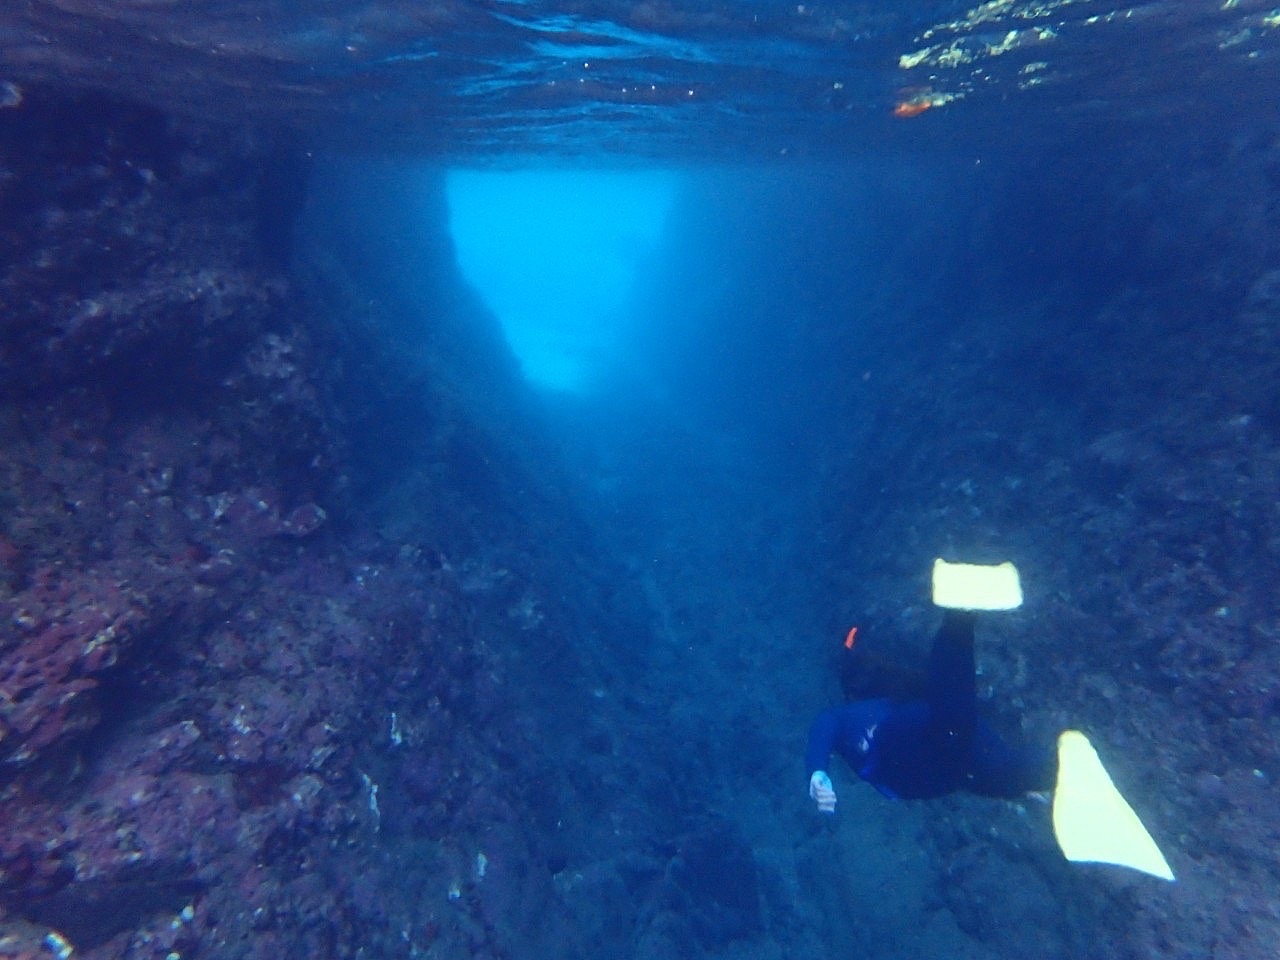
(69, 629)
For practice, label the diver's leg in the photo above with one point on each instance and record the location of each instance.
(952, 693)
(1008, 770)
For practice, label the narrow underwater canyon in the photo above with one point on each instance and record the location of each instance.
(326, 635)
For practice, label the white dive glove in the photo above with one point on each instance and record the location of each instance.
(820, 789)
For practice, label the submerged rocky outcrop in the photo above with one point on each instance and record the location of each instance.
(265, 594)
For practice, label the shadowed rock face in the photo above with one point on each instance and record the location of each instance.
(199, 670)
(94, 191)
(715, 871)
(89, 914)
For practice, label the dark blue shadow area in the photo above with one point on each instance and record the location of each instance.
(763, 306)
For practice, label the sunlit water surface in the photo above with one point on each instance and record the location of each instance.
(663, 78)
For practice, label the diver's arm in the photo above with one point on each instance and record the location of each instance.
(822, 739)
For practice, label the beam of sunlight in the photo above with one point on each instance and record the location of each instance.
(555, 254)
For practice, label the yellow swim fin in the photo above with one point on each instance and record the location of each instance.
(1092, 822)
(972, 586)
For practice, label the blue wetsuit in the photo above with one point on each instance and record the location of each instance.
(927, 748)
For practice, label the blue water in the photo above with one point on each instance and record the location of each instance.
(589, 371)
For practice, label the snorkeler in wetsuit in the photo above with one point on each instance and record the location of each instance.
(929, 747)
(917, 749)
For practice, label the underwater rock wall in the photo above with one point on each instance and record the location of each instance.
(1070, 362)
(1100, 409)
(168, 467)
(257, 700)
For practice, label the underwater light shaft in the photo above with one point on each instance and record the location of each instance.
(556, 254)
